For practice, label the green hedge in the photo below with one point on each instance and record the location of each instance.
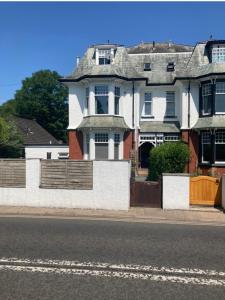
(170, 157)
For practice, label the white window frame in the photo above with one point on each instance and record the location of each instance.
(147, 101)
(219, 141)
(220, 92)
(117, 95)
(106, 94)
(173, 101)
(218, 54)
(104, 54)
(205, 140)
(101, 138)
(87, 100)
(206, 92)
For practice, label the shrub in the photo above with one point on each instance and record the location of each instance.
(170, 157)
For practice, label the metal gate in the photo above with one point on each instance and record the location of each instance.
(205, 190)
(147, 194)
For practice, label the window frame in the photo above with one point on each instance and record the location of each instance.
(221, 142)
(117, 95)
(203, 96)
(103, 139)
(105, 56)
(219, 93)
(106, 94)
(151, 105)
(218, 52)
(168, 101)
(203, 142)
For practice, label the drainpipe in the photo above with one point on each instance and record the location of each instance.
(189, 89)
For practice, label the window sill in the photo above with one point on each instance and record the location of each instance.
(147, 117)
(170, 117)
(212, 165)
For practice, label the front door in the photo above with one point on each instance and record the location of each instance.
(144, 151)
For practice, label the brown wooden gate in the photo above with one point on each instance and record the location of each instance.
(205, 190)
(147, 194)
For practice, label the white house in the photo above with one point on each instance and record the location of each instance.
(123, 98)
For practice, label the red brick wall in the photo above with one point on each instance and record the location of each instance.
(127, 144)
(193, 147)
(75, 144)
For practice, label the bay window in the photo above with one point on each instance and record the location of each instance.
(101, 99)
(220, 97)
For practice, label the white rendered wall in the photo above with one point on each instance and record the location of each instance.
(41, 151)
(175, 191)
(159, 103)
(223, 192)
(111, 189)
(76, 105)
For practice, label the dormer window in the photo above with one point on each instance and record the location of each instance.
(218, 53)
(147, 67)
(170, 67)
(104, 56)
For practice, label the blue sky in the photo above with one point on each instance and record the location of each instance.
(49, 35)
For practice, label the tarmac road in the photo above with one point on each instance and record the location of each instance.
(83, 259)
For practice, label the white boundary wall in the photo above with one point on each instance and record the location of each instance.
(111, 189)
(223, 192)
(176, 189)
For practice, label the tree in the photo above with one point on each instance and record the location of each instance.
(10, 140)
(170, 157)
(44, 98)
(8, 108)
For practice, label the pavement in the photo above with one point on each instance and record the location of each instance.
(195, 215)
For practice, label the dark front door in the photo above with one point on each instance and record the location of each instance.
(144, 151)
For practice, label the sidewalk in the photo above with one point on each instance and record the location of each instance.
(198, 215)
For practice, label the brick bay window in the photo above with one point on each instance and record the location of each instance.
(220, 98)
(206, 147)
(206, 98)
(220, 146)
(101, 99)
(170, 104)
(101, 145)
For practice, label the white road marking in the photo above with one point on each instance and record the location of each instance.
(126, 271)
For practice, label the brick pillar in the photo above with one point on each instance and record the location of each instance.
(127, 144)
(191, 138)
(75, 144)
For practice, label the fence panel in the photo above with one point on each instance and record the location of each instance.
(12, 173)
(67, 174)
(205, 190)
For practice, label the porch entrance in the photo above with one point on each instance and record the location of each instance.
(143, 153)
(205, 190)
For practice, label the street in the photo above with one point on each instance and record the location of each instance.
(47, 258)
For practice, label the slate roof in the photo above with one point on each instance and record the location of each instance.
(33, 133)
(190, 62)
(210, 122)
(102, 122)
(159, 127)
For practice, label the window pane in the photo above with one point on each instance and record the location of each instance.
(206, 106)
(101, 150)
(116, 151)
(170, 104)
(101, 104)
(220, 152)
(148, 108)
(220, 102)
(206, 146)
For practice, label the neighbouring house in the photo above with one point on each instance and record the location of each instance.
(124, 98)
(38, 142)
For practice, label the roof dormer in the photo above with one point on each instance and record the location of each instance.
(216, 51)
(104, 54)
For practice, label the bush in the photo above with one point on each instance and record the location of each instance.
(170, 157)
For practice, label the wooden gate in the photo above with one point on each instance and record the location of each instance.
(147, 194)
(205, 190)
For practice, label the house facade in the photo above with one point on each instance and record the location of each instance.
(124, 98)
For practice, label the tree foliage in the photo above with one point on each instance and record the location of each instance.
(170, 157)
(10, 140)
(44, 98)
